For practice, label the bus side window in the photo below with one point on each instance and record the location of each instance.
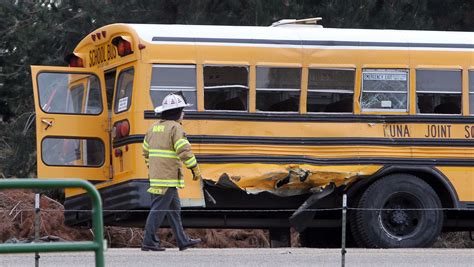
(330, 90)
(278, 89)
(384, 90)
(438, 91)
(123, 95)
(225, 88)
(471, 92)
(167, 79)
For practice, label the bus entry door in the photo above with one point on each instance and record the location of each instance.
(72, 134)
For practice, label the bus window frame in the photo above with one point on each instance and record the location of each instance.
(112, 100)
(300, 89)
(194, 107)
(470, 91)
(247, 67)
(385, 111)
(354, 87)
(121, 69)
(427, 68)
(80, 138)
(84, 96)
(87, 94)
(65, 113)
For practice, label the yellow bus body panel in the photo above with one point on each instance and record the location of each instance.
(258, 176)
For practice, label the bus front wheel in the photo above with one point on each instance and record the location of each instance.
(399, 210)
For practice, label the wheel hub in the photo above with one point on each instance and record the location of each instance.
(399, 217)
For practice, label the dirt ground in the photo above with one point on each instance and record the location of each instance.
(17, 225)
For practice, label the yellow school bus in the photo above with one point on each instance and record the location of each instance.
(286, 119)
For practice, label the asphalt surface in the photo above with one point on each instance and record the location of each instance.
(253, 257)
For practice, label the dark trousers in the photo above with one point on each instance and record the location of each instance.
(161, 205)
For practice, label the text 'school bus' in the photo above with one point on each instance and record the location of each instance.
(283, 115)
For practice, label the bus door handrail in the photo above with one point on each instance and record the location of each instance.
(98, 245)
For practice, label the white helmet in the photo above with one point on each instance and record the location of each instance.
(172, 101)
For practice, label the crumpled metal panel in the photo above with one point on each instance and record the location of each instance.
(284, 180)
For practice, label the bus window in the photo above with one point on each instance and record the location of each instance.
(75, 100)
(64, 93)
(471, 92)
(166, 79)
(225, 88)
(110, 85)
(56, 151)
(384, 90)
(278, 89)
(93, 100)
(123, 95)
(438, 91)
(330, 90)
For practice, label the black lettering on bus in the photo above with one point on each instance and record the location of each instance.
(396, 130)
(469, 129)
(438, 131)
(91, 59)
(101, 55)
(111, 53)
(96, 57)
(104, 54)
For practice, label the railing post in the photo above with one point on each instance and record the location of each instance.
(343, 239)
(97, 222)
(37, 225)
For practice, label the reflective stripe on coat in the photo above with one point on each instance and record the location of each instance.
(165, 147)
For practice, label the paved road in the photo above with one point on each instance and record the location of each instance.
(253, 257)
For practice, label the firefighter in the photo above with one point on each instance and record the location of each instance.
(165, 146)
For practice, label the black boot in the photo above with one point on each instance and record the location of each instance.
(191, 243)
(152, 248)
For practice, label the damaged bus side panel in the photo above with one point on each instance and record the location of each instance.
(283, 181)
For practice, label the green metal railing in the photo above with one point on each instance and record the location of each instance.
(97, 223)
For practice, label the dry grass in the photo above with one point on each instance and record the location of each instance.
(455, 240)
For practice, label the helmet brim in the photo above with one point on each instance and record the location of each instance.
(161, 108)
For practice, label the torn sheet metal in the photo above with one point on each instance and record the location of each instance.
(283, 180)
(301, 217)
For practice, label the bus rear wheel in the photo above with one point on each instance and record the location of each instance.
(399, 210)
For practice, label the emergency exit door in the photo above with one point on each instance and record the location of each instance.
(72, 129)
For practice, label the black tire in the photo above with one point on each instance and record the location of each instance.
(353, 204)
(403, 223)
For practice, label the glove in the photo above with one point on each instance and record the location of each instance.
(196, 173)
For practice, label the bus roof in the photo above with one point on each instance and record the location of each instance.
(305, 35)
